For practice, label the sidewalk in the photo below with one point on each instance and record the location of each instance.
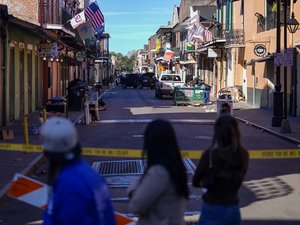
(14, 161)
(262, 118)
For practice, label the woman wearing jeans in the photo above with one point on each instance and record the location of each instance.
(221, 170)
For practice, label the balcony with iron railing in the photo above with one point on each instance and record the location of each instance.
(50, 13)
(217, 31)
(235, 37)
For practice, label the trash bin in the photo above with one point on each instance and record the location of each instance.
(224, 106)
(190, 96)
(76, 92)
(56, 104)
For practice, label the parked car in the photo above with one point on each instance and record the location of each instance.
(166, 83)
(147, 80)
(130, 80)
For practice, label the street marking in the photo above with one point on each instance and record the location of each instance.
(203, 121)
(137, 153)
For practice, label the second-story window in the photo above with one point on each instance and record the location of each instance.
(269, 21)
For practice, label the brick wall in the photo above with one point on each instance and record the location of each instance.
(23, 9)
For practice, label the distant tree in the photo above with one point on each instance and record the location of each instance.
(124, 63)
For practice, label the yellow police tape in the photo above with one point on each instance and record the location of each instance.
(135, 153)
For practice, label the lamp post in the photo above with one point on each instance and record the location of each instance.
(277, 99)
(291, 25)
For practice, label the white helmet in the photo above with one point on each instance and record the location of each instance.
(59, 137)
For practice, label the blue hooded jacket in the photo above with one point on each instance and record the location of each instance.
(79, 196)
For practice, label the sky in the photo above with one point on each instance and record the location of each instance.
(131, 22)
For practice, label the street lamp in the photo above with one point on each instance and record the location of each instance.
(292, 24)
(277, 99)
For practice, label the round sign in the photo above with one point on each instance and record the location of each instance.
(260, 50)
(79, 56)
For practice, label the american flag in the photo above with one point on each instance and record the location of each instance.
(94, 14)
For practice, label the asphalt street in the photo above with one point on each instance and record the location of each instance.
(270, 193)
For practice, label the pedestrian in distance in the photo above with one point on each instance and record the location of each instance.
(160, 196)
(221, 171)
(79, 195)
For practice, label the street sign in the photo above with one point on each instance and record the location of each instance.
(278, 59)
(288, 57)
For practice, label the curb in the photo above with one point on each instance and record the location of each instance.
(289, 139)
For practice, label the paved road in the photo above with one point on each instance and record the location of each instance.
(270, 194)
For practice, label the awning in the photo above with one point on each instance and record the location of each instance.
(58, 27)
(263, 59)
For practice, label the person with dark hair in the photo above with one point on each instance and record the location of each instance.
(79, 195)
(221, 171)
(160, 196)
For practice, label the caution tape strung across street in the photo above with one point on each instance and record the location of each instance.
(135, 153)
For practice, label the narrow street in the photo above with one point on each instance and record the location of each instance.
(270, 183)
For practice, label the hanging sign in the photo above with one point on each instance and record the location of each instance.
(278, 59)
(80, 56)
(260, 50)
(288, 57)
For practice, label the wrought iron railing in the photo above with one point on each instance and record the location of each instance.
(235, 37)
(55, 13)
(218, 32)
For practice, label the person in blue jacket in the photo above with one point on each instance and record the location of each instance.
(79, 195)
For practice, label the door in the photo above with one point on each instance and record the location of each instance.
(12, 86)
(30, 88)
(22, 88)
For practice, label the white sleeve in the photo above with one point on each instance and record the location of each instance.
(153, 184)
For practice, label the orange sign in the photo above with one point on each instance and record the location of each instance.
(29, 190)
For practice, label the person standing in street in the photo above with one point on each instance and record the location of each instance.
(160, 196)
(79, 195)
(221, 171)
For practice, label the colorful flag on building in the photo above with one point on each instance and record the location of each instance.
(199, 34)
(157, 46)
(99, 31)
(168, 55)
(191, 32)
(78, 19)
(85, 30)
(94, 14)
(208, 35)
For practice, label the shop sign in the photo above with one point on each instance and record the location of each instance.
(47, 50)
(260, 50)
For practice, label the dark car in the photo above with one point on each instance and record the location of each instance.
(147, 80)
(130, 80)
